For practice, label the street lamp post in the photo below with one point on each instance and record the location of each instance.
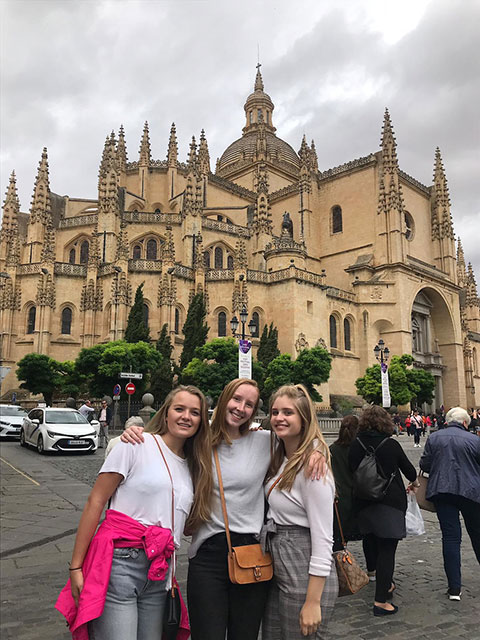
(244, 345)
(118, 271)
(382, 353)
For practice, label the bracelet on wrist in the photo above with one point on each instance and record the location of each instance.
(75, 568)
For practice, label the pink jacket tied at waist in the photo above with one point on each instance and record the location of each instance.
(117, 529)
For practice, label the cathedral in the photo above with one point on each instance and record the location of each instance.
(340, 257)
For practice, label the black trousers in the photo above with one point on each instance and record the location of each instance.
(380, 557)
(217, 606)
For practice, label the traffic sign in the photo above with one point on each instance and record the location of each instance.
(130, 388)
(131, 376)
(116, 390)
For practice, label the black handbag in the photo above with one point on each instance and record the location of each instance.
(173, 609)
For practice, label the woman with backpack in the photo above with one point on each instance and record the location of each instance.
(381, 508)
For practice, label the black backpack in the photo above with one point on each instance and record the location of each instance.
(369, 481)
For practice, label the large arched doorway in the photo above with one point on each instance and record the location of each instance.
(435, 346)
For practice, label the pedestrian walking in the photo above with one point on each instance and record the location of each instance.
(416, 424)
(300, 518)
(344, 483)
(119, 576)
(132, 421)
(104, 417)
(382, 522)
(452, 460)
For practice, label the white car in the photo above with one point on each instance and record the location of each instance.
(50, 429)
(11, 419)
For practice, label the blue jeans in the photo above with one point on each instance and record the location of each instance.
(134, 605)
(449, 507)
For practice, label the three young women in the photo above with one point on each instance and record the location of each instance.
(119, 577)
(305, 585)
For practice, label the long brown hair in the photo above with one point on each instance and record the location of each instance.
(198, 452)
(348, 431)
(375, 417)
(218, 426)
(311, 437)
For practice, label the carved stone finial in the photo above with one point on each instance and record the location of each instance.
(441, 215)
(203, 155)
(145, 157)
(172, 152)
(259, 80)
(121, 151)
(40, 210)
(192, 155)
(11, 204)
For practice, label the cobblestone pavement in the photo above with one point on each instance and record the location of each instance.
(42, 497)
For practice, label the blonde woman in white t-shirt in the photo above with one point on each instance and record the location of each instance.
(151, 489)
(305, 585)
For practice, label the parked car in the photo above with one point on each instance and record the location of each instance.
(58, 429)
(11, 419)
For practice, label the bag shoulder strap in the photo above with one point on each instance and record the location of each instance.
(222, 499)
(274, 485)
(173, 506)
(335, 503)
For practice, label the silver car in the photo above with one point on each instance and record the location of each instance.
(11, 419)
(59, 429)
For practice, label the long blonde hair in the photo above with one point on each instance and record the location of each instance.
(198, 452)
(218, 426)
(311, 437)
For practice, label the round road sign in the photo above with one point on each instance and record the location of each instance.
(130, 388)
(116, 390)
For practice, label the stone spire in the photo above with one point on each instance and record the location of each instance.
(304, 152)
(108, 180)
(11, 205)
(262, 220)
(259, 80)
(389, 146)
(203, 155)
(258, 107)
(121, 151)
(441, 201)
(313, 156)
(145, 154)
(172, 153)
(40, 209)
(471, 288)
(192, 156)
(461, 268)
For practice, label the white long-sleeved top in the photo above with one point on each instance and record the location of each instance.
(309, 504)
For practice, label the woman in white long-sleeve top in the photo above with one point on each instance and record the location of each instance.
(305, 585)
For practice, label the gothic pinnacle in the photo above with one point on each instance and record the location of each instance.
(258, 79)
(192, 155)
(388, 145)
(121, 150)
(11, 203)
(40, 206)
(145, 153)
(203, 154)
(172, 152)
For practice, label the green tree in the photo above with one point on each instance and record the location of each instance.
(279, 372)
(312, 367)
(137, 330)
(40, 374)
(215, 364)
(101, 365)
(195, 329)
(71, 382)
(405, 384)
(162, 378)
(268, 347)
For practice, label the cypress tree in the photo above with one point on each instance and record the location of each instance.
(162, 378)
(268, 349)
(195, 329)
(137, 330)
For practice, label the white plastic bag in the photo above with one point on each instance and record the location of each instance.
(413, 517)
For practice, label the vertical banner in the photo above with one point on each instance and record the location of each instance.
(386, 400)
(244, 359)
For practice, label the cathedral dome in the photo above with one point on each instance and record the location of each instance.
(259, 141)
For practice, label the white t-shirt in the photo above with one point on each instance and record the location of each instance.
(145, 493)
(244, 465)
(308, 504)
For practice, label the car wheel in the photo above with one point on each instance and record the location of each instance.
(22, 438)
(40, 447)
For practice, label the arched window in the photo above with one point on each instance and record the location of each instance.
(259, 115)
(67, 321)
(157, 211)
(145, 314)
(333, 332)
(84, 250)
(251, 116)
(31, 316)
(177, 321)
(71, 256)
(222, 324)
(206, 259)
(268, 117)
(255, 324)
(229, 262)
(152, 249)
(218, 258)
(137, 252)
(337, 222)
(409, 226)
(347, 335)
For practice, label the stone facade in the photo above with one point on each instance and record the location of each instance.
(365, 252)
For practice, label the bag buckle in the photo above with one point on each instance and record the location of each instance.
(257, 573)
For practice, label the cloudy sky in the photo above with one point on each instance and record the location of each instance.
(71, 71)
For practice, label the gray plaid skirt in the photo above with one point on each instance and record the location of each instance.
(291, 549)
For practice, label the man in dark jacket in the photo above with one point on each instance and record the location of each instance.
(452, 460)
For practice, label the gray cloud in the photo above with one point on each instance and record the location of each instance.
(72, 71)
